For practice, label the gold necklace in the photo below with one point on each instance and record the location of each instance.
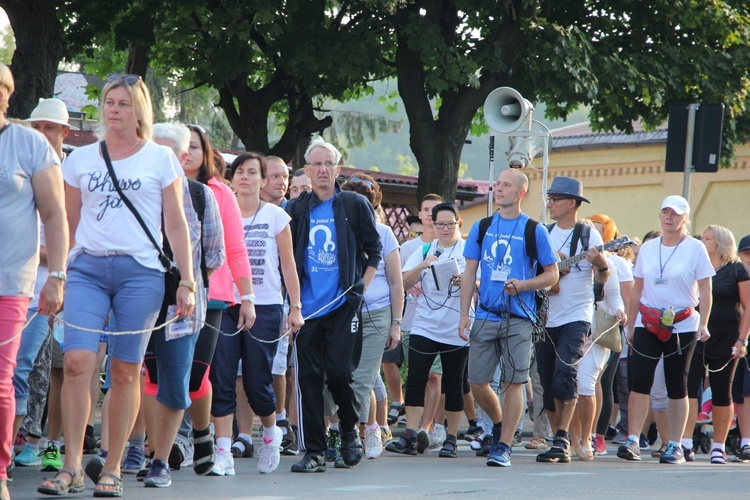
(126, 150)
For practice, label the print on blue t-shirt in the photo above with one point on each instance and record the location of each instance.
(321, 283)
(503, 253)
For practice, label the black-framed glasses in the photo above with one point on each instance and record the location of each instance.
(197, 128)
(552, 201)
(364, 181)
(443, 225)
(129, 79)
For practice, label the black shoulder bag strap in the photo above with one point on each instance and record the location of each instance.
(165, 261)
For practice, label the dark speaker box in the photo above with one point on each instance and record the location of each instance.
(709, 120)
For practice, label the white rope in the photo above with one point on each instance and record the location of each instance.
(28, 322)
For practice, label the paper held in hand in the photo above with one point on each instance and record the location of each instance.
(443, 272)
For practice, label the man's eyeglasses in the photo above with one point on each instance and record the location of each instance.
(129, 79)
(443, 225)
(197, 128)
(552, 201)
(321, 164)
(364, 181)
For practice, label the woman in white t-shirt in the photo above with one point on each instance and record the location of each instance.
(434, 332)
(269, 243)
(381, 316)
(114, 266)
(672, 274)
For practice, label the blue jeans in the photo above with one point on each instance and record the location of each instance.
(98, 285)
(31, 340)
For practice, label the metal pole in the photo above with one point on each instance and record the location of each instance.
(689, 167)
(544, 180)
(490, 194)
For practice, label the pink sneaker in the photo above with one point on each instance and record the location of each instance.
(600, 447)
(703, 418)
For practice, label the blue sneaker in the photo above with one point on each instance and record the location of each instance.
(499, 455)
(672, 455)
(133, 460)
(629, 451)
(158, 475)
(28, 457)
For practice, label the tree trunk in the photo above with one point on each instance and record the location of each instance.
(138, 59)
(39, 49)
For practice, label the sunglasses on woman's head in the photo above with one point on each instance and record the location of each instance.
(198, 128)
(129, 79)
(364, 181)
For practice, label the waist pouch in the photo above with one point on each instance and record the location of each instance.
(651, 319)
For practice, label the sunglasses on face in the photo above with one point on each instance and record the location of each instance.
(129, 79)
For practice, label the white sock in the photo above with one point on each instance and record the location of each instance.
(268, 432)
(719, 446)
(745, 442)
(372, 427)
(224, 443)
(634, 438)
(281, 416)
(334, 426)
(687, 443)
(246, 437)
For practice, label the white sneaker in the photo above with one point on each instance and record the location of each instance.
(224, 465)
(270, 452)
(373, 443)
(437, 436)
(188, 461)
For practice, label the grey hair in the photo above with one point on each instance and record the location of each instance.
(318, 142)
(174, 132)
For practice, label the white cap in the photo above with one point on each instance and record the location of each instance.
(51, 110)
(676, 203)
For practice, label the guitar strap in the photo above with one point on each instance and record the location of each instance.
(580, 231)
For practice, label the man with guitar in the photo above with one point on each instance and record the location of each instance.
(571, 308)
(509, 247)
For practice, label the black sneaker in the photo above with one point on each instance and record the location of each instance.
(351, 448)
(311, 462)
(744, 454)
(484, 451)
(246, 451)
(449, 448)
(610, 434)
(403, 445)
(423, 441)
(470, 433)
(517, 438)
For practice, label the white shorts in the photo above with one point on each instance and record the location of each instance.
(278, 368)
(590, 368)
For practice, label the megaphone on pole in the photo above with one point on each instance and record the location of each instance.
(506, 110)
(525, 148)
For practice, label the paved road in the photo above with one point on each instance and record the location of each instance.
(396, 476)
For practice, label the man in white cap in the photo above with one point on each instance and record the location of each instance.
(570, 311)
(50, 117)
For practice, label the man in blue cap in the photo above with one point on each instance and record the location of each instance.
(570, 311)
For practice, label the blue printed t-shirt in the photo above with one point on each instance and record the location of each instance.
(321, 283)
(496, 254)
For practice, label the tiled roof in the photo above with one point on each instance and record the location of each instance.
(581, 136)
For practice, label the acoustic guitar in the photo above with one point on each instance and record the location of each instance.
(566, 263)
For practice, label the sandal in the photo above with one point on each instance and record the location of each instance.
(536, 443)
(585, 454)
(116, 486)
(60, 486)
(204, 454)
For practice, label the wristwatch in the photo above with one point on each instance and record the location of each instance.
(59, 275)
(298, 305)
(250, 297)
(190, 285)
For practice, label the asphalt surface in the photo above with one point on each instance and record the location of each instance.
(398, 476)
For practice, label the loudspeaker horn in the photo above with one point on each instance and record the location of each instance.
(525, 149)
(505, 110)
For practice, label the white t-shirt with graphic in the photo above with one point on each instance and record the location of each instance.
(437, 311)
(260, 232)
(106, 223)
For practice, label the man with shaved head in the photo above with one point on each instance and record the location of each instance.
(508, 246)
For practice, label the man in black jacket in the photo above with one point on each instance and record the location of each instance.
(337, 250)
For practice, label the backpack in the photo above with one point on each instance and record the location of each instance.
(541, 297)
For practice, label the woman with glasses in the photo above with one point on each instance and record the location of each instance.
(381, 316)
(672, 275)
(433, 331)
(114, 266)
(200, 165)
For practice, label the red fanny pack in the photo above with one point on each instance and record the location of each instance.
(651, 319)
